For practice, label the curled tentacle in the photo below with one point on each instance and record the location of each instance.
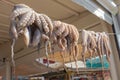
(58, 27)
(45, 37)
(60, 44)
(32, 19)
(49, 22)
(44, 24)
(38, 22)
(24, 19)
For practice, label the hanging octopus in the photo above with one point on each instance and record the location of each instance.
(67, 35)
(95, 43)
(34, 27)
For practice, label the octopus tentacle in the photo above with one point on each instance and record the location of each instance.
(49, 22)
(106, 46)
(65, 32)
(38, 22)
(12, 51)
(99, 47)
(46, 39)
(26, 34)
(107, 43)
(32, 19)
(46, 52)
(84, 41)
(19, 12)
(24, 19)
(12, 30)
(58, 27)
(44, 24)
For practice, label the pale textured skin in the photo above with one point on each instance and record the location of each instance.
(23, 16)
(26, 35)
(49, 22)
(67, 36)
(95, 43)
(62, 30)
(64, 35)
(44, 24)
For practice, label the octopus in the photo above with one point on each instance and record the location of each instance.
(95, 43)
(67, 36)
(34, 27)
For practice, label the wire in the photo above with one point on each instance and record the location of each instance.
(113, 33)
(106, 33)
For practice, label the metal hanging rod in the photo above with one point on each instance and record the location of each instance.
(113, 33)
(95, 24)
(110, 34)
